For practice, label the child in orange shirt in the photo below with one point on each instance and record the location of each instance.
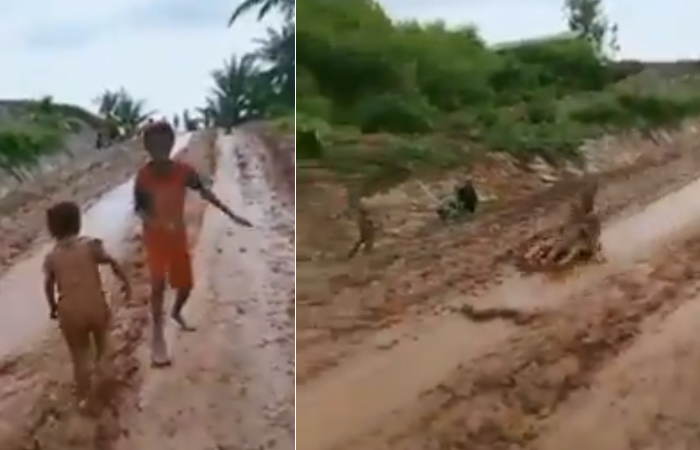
(71, 270)
(159, 200)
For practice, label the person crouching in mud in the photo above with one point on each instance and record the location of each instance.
(71, 271)
(159, 200)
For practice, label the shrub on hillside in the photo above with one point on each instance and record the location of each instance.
(357, 68)
(627, 110)
(21, 147)
(562, 65)
(395, 114)
(605, 110)
(316, 106)
(552, 141)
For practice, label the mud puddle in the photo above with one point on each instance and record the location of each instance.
(364, 390)
(23, 311)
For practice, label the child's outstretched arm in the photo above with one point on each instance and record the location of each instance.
(50, 289)
(195, 182)
(102, 257)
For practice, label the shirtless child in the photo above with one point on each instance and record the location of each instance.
(71, 270)
(159, 200)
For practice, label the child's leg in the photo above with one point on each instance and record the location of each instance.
(181, 297)
(104, 369)
(181, 279)
(103, 350)
(78, 340)
(159, 348)
(158, 260)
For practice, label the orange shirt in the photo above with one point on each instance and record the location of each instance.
(162, 196)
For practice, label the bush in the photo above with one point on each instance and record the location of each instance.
(603, 111)
(308, 144)
(316, 106)
(541, 111)
(357, 68)
(395, 114)
(21, 147)
(626, 110)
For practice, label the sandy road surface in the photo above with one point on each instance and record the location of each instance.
(609, 344)
(240, 307)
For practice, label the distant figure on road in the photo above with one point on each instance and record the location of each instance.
(159, 200)
(71, 271)
(366, 231)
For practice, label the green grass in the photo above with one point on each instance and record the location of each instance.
(32, 129)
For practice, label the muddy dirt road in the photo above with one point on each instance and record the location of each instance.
(605, 357)
(232, 380)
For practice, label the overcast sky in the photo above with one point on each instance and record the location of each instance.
(159, 50)
(164, 50)
(649, 29)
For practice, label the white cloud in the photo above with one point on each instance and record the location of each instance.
(648, 29)
(159, 50)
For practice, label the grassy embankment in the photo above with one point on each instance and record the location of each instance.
(389, 100)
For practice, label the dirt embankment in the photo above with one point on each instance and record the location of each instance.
(387, 359)
(341, 303)
(22, 211)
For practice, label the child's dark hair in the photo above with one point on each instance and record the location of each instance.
(158, 136)
(63, 220)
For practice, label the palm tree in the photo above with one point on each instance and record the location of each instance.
(286, 7)
(130, 113)
(123, 113)
(106, 102)
(278, 50)
(239, 92)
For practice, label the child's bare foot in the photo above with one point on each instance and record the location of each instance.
(184, 326)
(159, 364)
(159, 351)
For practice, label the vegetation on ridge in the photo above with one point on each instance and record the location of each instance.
(388, 98)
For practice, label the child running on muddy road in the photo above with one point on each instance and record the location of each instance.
(159, 200)
(71, 270)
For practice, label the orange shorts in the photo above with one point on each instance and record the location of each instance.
(168, 257)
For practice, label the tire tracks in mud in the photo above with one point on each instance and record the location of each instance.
(42, 415)
(505, 399)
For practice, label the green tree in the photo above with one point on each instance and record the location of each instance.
(241, 92)
(278, 50)
(46, 105)
(264, 7)
(106, 102)
(122, 111)
(587, 19)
